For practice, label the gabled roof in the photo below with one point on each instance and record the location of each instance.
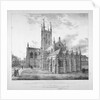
(59, 45)
(59, 42)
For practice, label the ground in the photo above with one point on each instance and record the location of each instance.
(38, 74)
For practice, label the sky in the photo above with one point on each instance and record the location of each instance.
(73, 28)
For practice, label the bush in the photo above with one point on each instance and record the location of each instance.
(15, 61)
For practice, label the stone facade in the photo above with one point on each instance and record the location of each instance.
(53, 56)
(31, 57)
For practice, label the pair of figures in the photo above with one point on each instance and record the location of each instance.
(17, 72)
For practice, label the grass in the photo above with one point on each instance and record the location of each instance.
(53, 77)
(29, 74)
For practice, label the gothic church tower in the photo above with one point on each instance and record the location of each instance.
(46, 36)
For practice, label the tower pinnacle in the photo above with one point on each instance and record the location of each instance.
(43, 23)
(50, 26)
(54, 40)
(27, 45)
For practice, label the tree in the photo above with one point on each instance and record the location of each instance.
(15, 61)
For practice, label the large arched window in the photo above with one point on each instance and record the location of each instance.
(31, 55)
(60, 62)
(35, 55)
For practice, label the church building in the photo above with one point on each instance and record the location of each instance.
(53, 56)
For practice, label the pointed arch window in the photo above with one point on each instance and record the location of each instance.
(31, 55)
(35, 55)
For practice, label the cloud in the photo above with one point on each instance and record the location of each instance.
(69, 23)
(69, 39)
(83, 45)
(83, 15)
(56, 19)
(78, 15)
(33, 18)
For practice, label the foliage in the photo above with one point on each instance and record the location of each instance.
(15, 61)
